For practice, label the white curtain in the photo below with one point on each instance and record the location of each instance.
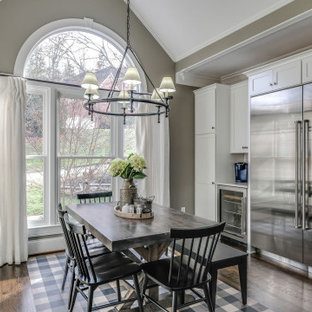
(13, 219)
(153, 143)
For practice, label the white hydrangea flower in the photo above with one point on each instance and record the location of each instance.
(137, 162)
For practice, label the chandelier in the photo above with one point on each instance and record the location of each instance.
(124, 99)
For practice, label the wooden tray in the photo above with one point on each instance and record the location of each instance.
(134, 216)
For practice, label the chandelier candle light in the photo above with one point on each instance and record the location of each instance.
(159, 98)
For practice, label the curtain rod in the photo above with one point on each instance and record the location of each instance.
(51, 82)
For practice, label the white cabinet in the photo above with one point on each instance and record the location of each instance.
(277, 77)
(205, 158)
(212, 152)
(205, 195)
(261, 83)
(205, 112)
(239, 118)
(307, 69)
(287, 75)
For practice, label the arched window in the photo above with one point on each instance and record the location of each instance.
(64, 147)
(67, 55)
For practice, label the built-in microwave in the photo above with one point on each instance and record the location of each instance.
(232, 208)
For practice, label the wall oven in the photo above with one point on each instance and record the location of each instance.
(232, 208)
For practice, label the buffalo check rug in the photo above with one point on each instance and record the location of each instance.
(46, 274)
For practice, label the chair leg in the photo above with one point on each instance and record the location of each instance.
(118, 290)
(137, 291)
(65, 272)
(72, 282)
(90, 298)
(145, 281)
(174, 301)
(73, 300)
(208, 299)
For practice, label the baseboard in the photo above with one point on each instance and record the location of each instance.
(45, 244)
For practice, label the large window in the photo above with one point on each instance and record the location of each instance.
(67, 153)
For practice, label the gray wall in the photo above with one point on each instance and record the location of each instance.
(20, 18)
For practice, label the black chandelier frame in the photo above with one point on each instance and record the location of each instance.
(162, 104)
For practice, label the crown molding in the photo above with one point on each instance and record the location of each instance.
(194, 80)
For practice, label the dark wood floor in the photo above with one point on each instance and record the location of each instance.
(279, 288)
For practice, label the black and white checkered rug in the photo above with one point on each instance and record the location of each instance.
(46, 273)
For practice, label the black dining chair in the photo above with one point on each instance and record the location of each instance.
(95, 249)
(88, 198)
(187, 268)
(93, 272)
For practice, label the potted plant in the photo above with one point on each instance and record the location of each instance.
(128, 169)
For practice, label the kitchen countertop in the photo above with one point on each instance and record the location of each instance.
(234, 184)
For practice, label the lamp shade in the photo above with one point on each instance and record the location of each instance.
(123, 96)
(91, 94)
(157, 96)
(90, 81)
(167, 85)
(132, 76)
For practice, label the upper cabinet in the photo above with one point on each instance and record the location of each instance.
(205, 111)
(275, 78)
(239, 118)
(307, 69)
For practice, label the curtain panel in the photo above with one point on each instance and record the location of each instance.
(153, 143)
(13, 216)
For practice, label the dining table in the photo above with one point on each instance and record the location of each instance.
(148, 237)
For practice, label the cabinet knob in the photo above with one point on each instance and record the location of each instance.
(275, 83)
(212, 183)
(244, 147)
(271, 84)
(212, 127)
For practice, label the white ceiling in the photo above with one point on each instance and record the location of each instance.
(183, 27)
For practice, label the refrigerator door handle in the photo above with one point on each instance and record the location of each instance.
(305, 209)
(297, 174)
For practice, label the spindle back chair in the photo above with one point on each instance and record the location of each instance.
(89, 198)
(107, 268)
(189, 264)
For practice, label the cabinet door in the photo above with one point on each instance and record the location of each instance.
(287, 75)
(205, 158)
(205, 112)
(261, 83)
(239, 118)
(307, 69)
(205, 201)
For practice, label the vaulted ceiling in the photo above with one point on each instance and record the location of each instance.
(183, 27)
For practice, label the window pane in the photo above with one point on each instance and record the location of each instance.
(34, 190)
(78, 134)
(68, 55)
(129, 137)
(34, 124)
(83, 176)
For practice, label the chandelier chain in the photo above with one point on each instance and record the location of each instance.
(128, 23)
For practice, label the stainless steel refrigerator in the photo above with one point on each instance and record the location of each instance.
(281, 173)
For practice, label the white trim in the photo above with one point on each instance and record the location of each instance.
(265, 33)
(194, 80)
(277, 5)
(47, 244)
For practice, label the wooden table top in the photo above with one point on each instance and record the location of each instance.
(120, 234)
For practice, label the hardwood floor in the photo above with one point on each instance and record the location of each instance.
(278, 287)
(15, 289)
